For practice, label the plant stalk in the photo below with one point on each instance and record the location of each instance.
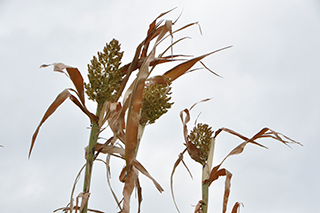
(90, 158)
(205, 196)
(205, 175)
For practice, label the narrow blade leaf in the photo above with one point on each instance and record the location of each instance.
(182, 68)
(52, 108)
(77, 80)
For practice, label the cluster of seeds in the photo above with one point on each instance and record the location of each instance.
(104, 74)
(155, 102)
(201, 136)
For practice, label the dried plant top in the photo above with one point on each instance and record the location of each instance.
(104, 74)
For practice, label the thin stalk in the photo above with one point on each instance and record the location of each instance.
(205, 196)
(205, 175)
(90, 158)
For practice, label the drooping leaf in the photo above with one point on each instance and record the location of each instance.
(171, 178)
(76, 78)
(226, 189)
(116, 120)
(139, 192)
(265, 132)
(238, 135)
(279, 137)
(236, 207)
(113, 149)
(52, 108)
(92, 117)
(128, 188)
(141, 169)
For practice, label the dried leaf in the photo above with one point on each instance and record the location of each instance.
(193, 151)
(108, 178)
(141, 169)
(116, 119)
(226, 189)
(180, 159)
(52, 108)
(265, 132)
(238, 135)
(133, 118)
(91, 116)
(182, 68)
(113, 149)
(236, 207)
(278, 136)
(171, 178)
(128, 188)
(77, 80)
(209, 69)
(84, 200)
(139, 192)
(154, 30)
(198, 208)
(58, 67)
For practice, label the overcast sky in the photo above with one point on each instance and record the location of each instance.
(270, 79)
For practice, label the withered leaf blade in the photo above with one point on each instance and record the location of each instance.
(128, 188)
(236, 207)
(238, 135)
(141, 169)
(133, 118)
(182, 68)
(58, 67)
(91, 116)
(108, 149)
(84, 200)
(153, 31)
(264, 132)
(279, 137)
(226, 188)
(77, 80)
(139, 192)
(194, 153)
(180, 159)
(198, 208)
(52, 108)
(171, 178)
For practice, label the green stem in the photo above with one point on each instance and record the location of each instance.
(90, 158)
(205, 175)
(205, 196)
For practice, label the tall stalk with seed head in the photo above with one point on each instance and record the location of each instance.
(104, 83)
(201, 137)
